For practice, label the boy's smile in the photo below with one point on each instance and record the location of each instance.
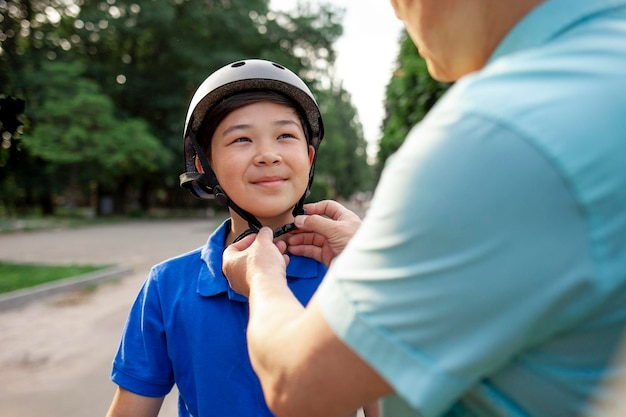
(262, 160)
(269, 181)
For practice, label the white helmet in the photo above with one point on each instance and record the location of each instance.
(234, 78)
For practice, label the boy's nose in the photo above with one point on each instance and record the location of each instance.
(267, 156)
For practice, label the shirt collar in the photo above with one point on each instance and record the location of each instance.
(548, 20)
(212, 281)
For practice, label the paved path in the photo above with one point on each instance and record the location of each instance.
(55, 353)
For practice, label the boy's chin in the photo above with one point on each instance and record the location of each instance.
(271, 215)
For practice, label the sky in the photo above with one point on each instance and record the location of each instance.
(366, 55)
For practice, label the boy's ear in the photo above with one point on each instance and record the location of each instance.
(311, 154)
(198, 164)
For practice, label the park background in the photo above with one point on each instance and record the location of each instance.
(94, 93)
(93, 96)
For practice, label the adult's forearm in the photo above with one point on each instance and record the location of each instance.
(272, 336)
(304, 369)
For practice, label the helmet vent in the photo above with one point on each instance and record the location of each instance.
(238, 64)
(278, 66)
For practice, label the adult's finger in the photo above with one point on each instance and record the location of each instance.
(315, 223)
(307, 250)
(327, 208)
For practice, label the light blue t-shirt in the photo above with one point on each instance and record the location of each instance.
(489, 276)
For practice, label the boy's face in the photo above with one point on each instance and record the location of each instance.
(261, 158)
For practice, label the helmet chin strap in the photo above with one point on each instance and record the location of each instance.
(254, 225)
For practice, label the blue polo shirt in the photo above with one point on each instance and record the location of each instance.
(188, 327)
(489, 275)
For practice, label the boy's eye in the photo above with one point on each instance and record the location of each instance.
(242, 139)
(286, 136)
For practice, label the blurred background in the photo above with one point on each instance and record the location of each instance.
(93, 98)
(93, 94)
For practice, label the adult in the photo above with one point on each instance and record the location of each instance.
(489, 275)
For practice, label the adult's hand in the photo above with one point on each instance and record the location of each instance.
(253, 256)
(324, 231)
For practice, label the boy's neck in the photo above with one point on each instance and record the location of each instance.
(239, 225)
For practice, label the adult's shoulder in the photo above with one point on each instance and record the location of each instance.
(573, 84)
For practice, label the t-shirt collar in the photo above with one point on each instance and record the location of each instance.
(547, 21)
(212, 281)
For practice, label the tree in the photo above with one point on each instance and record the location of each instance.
(11, 124)
(139, 62)
(410, 94)
(28, 36)
(342, 168)
(76, 129)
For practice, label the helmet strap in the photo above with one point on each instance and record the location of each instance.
(254, 225)
(289, 227)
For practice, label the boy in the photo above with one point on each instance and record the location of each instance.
(251, 135)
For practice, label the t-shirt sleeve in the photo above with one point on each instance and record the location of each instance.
(472, 250)
(142, 364)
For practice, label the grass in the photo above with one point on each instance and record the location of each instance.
(14, 276)
(27, 224)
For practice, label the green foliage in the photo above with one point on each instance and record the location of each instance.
(107, 85)
(342, 157)
(411, 93)
(75, 124)
(320, 190)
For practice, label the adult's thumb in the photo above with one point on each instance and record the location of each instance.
(313, 223)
